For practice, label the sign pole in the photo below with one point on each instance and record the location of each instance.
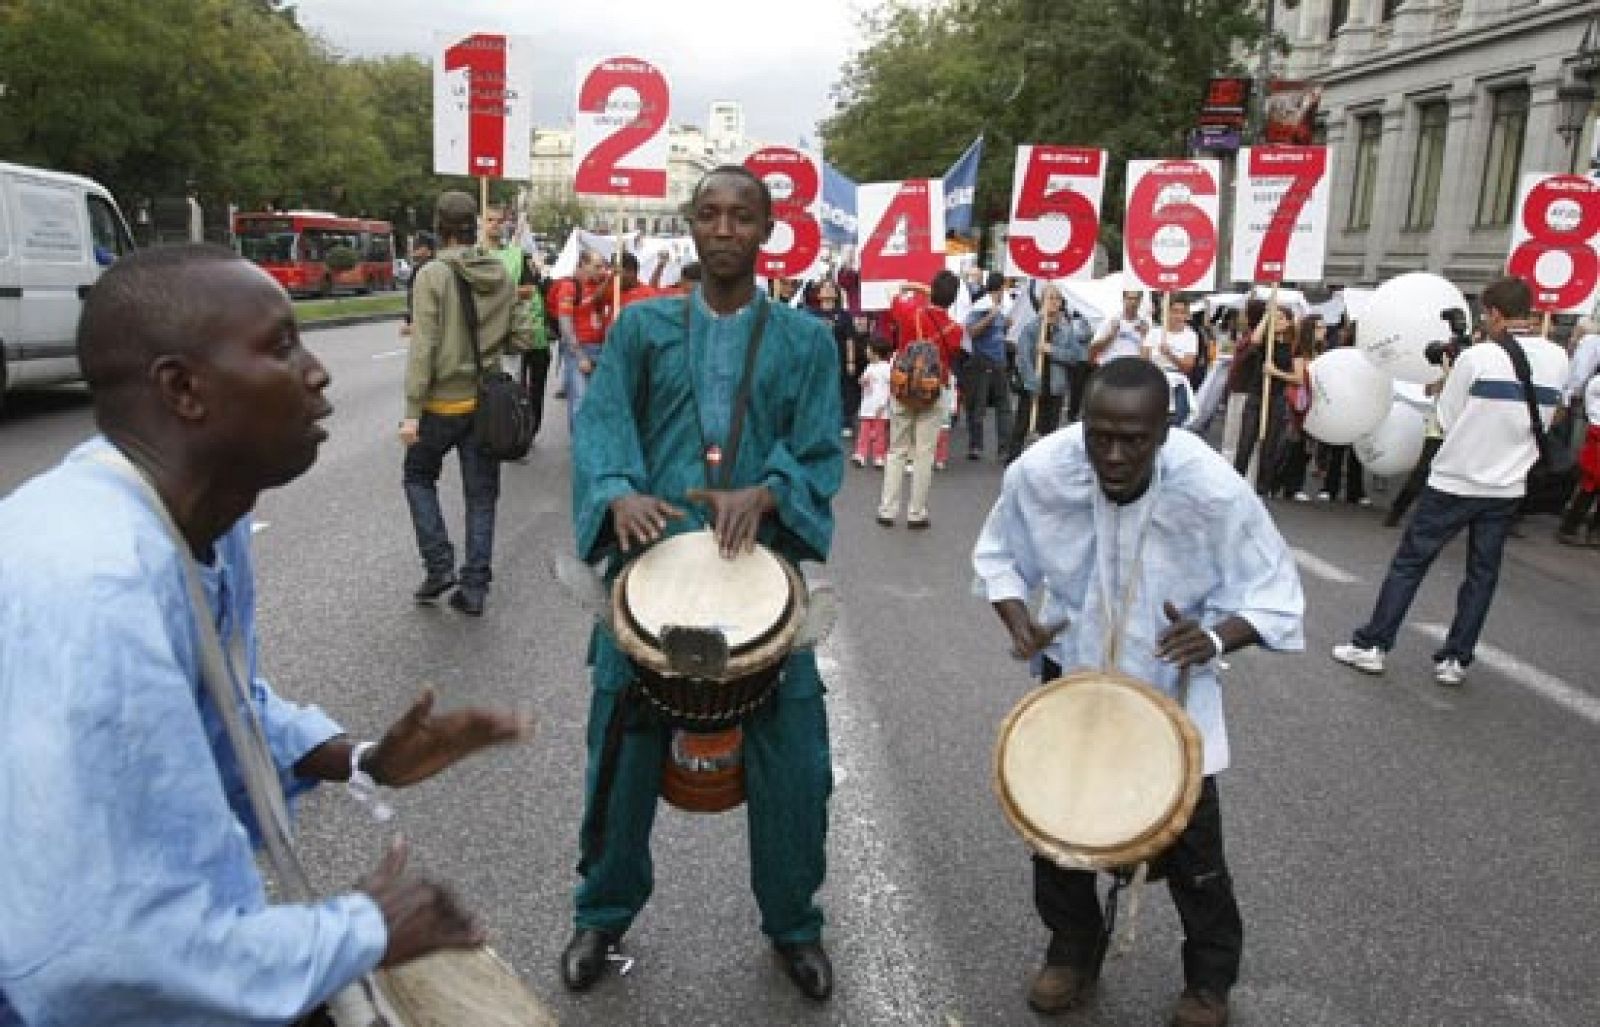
(1039, 344)
(1544, 330)
(616, 266)
(483, 210)
(1270, 344)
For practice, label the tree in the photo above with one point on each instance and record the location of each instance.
(557, 215)
(1125, 75)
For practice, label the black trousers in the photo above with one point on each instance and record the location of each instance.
(1344, 470)
(1196, 872)
(1047, 420)
(535, 371)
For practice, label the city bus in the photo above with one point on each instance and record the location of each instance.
(293, 247)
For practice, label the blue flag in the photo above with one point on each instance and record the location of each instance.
(961, 186)
(838, 206)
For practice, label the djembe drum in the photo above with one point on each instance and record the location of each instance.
(746, 612)
(1097, 770)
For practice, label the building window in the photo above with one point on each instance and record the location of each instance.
(1369, 135)
(1338, 14)
(1507, 127)
(1433, 122)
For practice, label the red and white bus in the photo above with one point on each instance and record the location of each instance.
(293, 247)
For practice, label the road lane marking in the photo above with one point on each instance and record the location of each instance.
(888, 936)
(1316, 565)
(390, 353)
(1569, 697)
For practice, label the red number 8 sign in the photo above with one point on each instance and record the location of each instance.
(1553, 243)
(796, 184)
(1170, 230)
(1055, 184)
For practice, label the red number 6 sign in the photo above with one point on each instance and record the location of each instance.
(622, 116)
(1554, 240)
(1055, 211)
(1170, 230)
(796, 184)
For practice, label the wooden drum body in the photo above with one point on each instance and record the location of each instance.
(1098, 770)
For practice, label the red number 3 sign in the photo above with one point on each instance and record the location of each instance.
(622, 116)
(796, 184)
(1553, 243)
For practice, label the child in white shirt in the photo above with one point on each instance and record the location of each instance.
(872, 428)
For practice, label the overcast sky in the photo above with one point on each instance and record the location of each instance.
(778, 59)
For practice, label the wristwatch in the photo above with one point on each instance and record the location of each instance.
(363, 788)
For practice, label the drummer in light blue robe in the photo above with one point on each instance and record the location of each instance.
(1120, 522)
(657, 418)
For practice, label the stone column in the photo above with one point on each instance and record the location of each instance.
(1465, 142)
(1389, 199)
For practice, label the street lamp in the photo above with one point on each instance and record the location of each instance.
(1573, 103)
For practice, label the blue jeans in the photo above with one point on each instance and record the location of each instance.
(437, 434)
(576, 382)
(1439, 518)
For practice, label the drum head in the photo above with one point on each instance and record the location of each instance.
(684, 581)
(1092, 763)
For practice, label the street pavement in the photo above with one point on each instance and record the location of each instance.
(1404, 853)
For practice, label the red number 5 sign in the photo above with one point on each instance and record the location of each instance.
(1055, 211)
(1169, 234)
(1555, 241)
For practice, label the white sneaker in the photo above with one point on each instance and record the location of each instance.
(1369, 661)
(1449, 671)
(1301, 497)
(1324, 497)
(1364, 501)
(859, 460)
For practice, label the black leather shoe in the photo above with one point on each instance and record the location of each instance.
(808, 967)
(585, 958)
(436, 584)
(468, 600)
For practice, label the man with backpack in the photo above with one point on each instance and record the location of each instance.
(927, 343)
(442, 378)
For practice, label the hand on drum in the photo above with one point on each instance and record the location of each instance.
(421, 916)
(640, 520)
(1184, 642)
(735, 515)
(420, 743)
(1028, 637)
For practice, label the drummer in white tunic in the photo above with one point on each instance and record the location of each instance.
(1153, 556)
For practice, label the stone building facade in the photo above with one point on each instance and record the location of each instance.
(1433, 110)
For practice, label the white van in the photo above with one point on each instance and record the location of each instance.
(57, 233)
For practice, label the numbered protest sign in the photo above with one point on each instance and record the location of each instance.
(620, 142)
(1555, 241)
(1280, 219)
(902, 233)
(1055, 211)
(795, 178)
(483, 105)
(1169, 231)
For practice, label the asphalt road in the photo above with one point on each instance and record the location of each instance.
(1404, 854)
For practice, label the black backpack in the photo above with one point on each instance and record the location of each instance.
(503, 422)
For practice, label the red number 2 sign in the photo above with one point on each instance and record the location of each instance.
(612, 129)
(1553, 244)
(1055, 211)
(903, 225)
(796, 184)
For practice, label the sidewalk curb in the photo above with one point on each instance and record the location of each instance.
(350, 321)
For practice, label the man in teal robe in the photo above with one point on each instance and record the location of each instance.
(657, 418)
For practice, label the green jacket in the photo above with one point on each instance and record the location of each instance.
(527, 317)
(440, 368)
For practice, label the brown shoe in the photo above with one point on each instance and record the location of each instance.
(1200, 1009)
(1057, 989)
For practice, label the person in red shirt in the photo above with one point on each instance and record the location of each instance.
(572, 303)
(920, 312)
(633, 290)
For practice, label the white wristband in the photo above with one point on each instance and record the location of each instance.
(1216, 641)
(363, 788)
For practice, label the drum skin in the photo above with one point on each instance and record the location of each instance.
(1098, 770)
(455, 987)
(703, 704)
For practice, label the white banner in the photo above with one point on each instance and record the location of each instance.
(1280, 214)
(483, 105)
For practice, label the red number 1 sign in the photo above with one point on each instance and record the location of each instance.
(1169, 234)
(795, 179)
(482, 99)
(1554, 241)
(620, 145)
(1055, 211)
(902, 233)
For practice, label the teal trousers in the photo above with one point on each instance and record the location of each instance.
(788, 778)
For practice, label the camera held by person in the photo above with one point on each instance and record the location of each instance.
(1460, 338)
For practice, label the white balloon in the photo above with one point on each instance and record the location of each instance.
(1395, 446)
(1401, 318)
(1349, 397)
